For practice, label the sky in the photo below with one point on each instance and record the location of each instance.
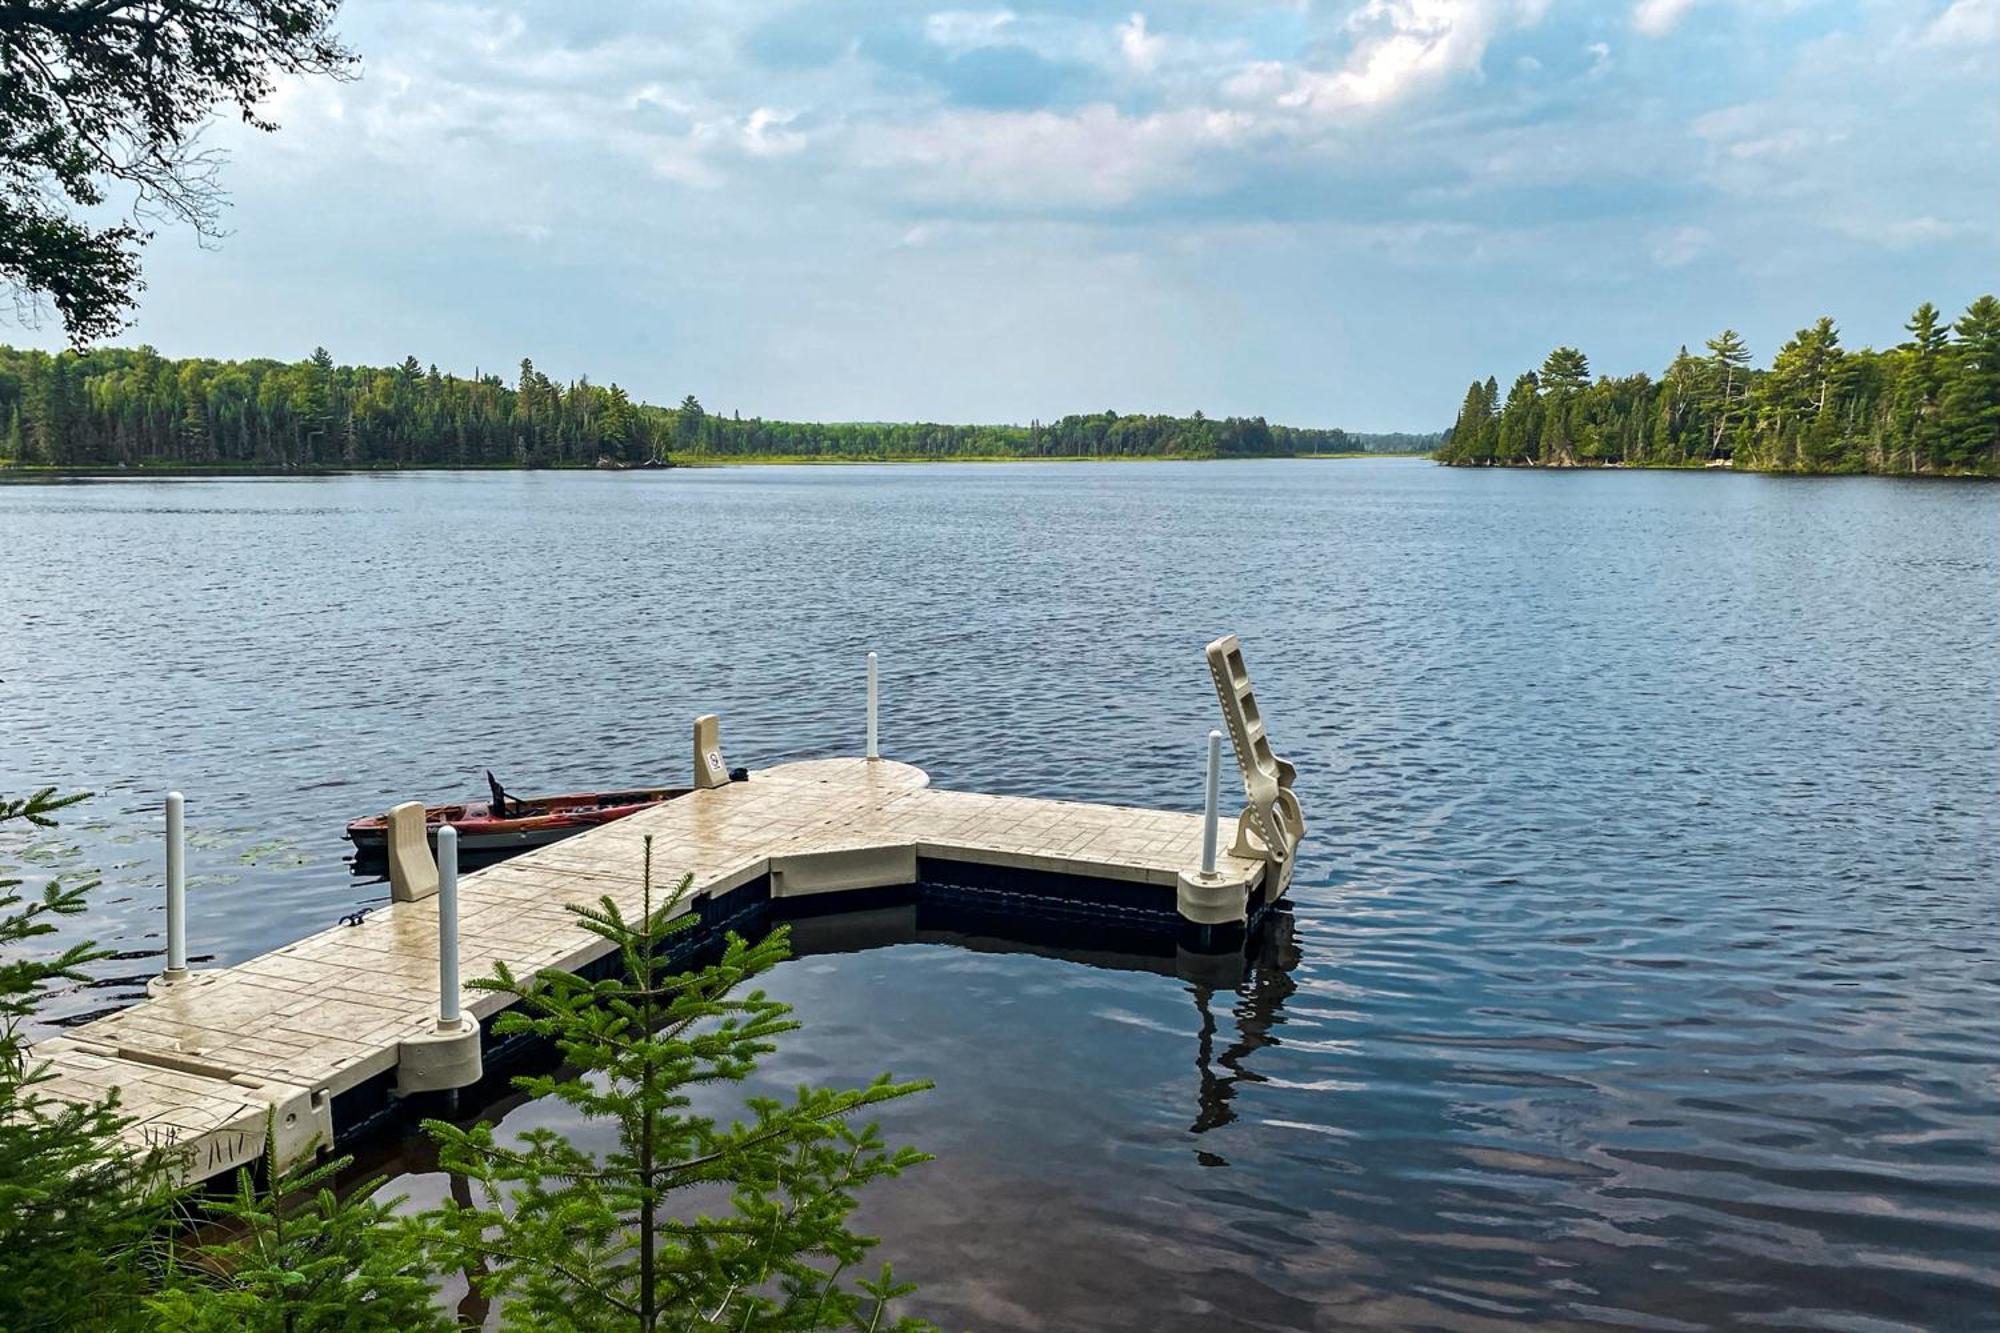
(1325, 212)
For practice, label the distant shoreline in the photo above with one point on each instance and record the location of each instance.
(105, 472)
(18, 475)
(820, 460)
(1726, 471)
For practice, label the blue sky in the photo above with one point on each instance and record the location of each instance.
(1326, 213)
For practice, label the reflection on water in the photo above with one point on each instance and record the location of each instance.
(1646, 954)
(1251, 982)
(1248, 985)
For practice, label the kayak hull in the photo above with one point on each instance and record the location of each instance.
(529, 822)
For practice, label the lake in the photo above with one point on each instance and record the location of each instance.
(1643, 963)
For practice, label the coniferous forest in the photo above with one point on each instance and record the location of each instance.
(1930, 405)
(114, 407)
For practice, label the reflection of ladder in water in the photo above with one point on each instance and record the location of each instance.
(1272, 823)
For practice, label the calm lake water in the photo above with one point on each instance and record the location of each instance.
(1644, 962)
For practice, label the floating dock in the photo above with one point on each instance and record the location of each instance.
(319, 1037)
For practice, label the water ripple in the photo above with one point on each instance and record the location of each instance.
(1643, 962)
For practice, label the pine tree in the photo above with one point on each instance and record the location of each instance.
(688, 423)
(572, 1241)
(616, 430)
(1919, 384)
(1565, 371)
(79, 1209)
(1792, 398)
(1468, 432)
(1971, 407)
(1564, 377)
(1728, 385)
(1521, 420)
(1930, 404)
(1680, 408)
(316, 418)
(299, 1258)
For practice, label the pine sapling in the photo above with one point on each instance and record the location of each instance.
(299, 1257)
(79, 1206)
(684, 1221)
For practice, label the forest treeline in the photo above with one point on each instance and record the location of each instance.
(1929, 405)
(135, 408)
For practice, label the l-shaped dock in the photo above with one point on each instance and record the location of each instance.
(316, 1037)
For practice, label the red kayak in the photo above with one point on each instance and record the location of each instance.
(514, 823)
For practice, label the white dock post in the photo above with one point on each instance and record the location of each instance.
(1210, 811)
(448, 1057)
(177, 949)
(447, 859)
(874, 752)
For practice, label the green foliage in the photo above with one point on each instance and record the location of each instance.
(622, 1240)
(688, 423)
(100, 97)
(1931, 405)
(567, 1239)
(1477, 428)
(135, 408)
(1919, 389)
(1969, 417)
(78, 1209)
(302, 1259)
(1565, 371)
(1564, 377)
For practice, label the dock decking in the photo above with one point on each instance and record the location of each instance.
(203, 1063)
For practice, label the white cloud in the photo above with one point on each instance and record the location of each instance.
(1098, 157)
(1657, 18)
(669, 159)
(765, 135)
(1836, 144)
(1677, 247)
(967, 29)
(1902, 233)
(1966, 21)
(1142, 49)
(689, 111)
(1780, 144)
(1396, 46)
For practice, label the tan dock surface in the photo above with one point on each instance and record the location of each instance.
(201, 1064)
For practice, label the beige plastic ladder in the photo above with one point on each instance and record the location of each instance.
(1272, 823)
